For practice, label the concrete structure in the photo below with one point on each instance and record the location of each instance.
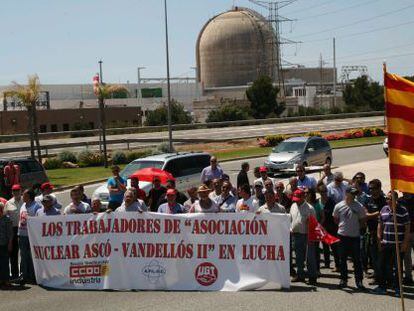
(234, 48)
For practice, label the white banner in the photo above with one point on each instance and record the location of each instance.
(149, 251)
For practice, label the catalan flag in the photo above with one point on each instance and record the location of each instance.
(399, 97)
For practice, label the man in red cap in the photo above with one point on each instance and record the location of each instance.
(263, 176)
(299, 215)
(12, 208)
(46, 189)
(171, 207)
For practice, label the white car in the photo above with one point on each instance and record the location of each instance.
(385, 146)
(185, 167)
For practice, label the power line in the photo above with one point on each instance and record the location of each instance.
(357, 22)
(340, 10)
(309, 8)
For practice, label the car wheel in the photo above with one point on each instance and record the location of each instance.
(328, 161)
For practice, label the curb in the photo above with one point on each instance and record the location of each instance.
(223, 161)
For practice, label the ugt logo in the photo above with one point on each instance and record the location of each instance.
(206, 273)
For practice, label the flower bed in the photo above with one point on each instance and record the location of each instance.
(273, 140)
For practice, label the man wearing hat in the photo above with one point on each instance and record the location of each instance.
(350, 215)
(12, 208)
(204, 204)
(48, 208)
(258, 192)
(263, 176)
(47, 189)
(299, 214)
(171, 207)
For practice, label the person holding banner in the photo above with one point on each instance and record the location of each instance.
(304, 250)
(29, 208)
(204, 204)
(350, 216)
(247, 203)
(386, 243)
(48, 209)
(227, 201)
(76, 206)
(131, 204)
(171, 207)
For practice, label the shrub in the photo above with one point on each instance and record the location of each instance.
(313, 134)
(131, 156)
(164, 148)
(228, 112)
(367, 132)
(119, 157)
(52, 163)
(262, 142)
(89, 158)
(274, 140)
(67, 156)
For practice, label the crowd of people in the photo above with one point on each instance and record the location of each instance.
(357, 212)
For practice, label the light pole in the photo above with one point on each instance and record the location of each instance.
(102, 115)
(139, 95)
(170, 142)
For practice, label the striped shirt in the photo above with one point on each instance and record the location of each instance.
(387, 221)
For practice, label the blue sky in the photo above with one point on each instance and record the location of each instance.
(62, 40)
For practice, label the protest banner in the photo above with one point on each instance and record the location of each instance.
(149, 251)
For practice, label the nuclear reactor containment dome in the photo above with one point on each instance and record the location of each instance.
(234, 48)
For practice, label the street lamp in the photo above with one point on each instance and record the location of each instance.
(139, 95)
(102, 116)
(170, 142)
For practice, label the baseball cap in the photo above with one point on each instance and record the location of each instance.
(171, 191)
(16, 187)
(46, 185)
(263, 169)
(258, 183)
(48, 198)
(298, 195)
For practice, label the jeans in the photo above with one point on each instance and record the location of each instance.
(26, 261)
(4, 263)
(305, 250)
(388, 266)
(408, 263)
(350, 246)
(14, 256)
(327, 254)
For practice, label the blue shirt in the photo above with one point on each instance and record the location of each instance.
(166, 209)
(387, 220)
(116, 196)
(49, 212)
(209, 174)
(307, 182)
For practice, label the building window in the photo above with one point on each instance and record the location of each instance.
(65, 127)
(54, 128)
(43, 128)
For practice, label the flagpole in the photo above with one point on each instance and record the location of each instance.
(394, 211)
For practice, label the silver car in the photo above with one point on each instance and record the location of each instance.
(184, 166)
(308, 151)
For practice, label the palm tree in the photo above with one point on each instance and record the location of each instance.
(106, 91)
(29, 97)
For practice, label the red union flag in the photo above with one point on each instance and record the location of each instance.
(317, 233)
(96, 84)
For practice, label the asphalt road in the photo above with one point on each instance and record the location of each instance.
(299, 297)
(236, 132)
(340, 157)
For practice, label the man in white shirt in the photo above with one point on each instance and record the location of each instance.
(131, 204)
(337, 188)
(247, 203)
(77, 206)
(215, 194)
(299, 213)
(271, 206)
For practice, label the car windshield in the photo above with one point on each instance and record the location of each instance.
(138, 165)
(289, 146)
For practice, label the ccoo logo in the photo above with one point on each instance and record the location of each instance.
(206, 273)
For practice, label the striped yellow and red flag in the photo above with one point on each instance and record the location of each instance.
(399, 97)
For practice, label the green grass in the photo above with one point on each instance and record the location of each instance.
(72, 176)
(65, 176)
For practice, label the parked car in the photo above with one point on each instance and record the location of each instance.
(308, 151)
(185, 167)
(385, 146)
(31, 171)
